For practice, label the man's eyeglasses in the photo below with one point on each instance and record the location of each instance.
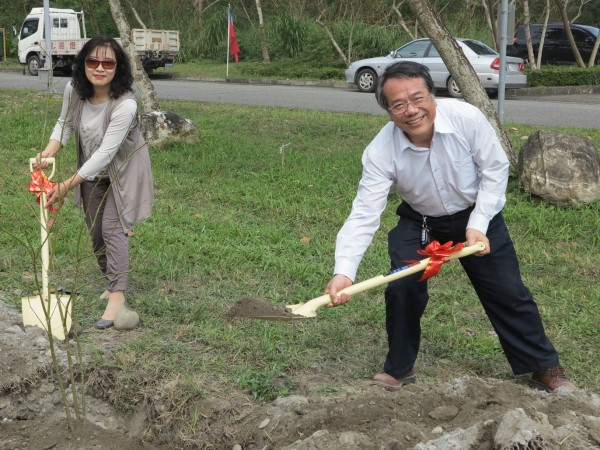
(400, 108)
(93, 63)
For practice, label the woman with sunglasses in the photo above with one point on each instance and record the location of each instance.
(113, 181)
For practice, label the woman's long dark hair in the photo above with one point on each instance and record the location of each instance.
(123, 79)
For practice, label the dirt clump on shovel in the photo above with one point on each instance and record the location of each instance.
(253, 308)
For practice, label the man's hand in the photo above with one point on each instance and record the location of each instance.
(474, 236)
(337, 283)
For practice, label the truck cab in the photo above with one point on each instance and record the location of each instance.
(154, 48)
(66, 38)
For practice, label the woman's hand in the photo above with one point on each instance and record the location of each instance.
(56, 196)
(49, 152)
(39, 163)
(337, 283)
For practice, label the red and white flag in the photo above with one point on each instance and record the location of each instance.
(232, 43)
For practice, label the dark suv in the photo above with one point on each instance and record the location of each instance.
(557, 49)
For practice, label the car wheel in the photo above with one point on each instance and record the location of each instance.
(492, 93)
(453, 89)
(366, 80)
(33, 64)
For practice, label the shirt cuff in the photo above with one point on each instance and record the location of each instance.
(345, 267)
(478, 222)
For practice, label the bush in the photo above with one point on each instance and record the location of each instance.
(294, 70)
(563, 76)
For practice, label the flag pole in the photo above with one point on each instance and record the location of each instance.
(228, 37)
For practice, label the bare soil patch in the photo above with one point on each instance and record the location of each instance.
(463, 413)
(253, 308)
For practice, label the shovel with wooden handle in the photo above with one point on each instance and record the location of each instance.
(46, 310)
(309, 309)
(252, 308)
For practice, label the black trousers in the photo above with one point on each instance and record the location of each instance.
(496, 278)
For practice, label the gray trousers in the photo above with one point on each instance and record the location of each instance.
(109, 241)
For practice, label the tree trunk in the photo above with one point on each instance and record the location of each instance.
(93, 20)
(594, 52)
(396, 8)
(138, 18)
(579, 10)
(543, 35)
(261, 34)
(147, 93)
(562, 6)
(491, 19)
(349, 56)
(334, 42)
(532, 62)
(461, 70)
(467, 18)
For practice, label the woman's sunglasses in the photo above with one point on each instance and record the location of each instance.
(93, 63)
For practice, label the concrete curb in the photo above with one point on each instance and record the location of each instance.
(553, 90)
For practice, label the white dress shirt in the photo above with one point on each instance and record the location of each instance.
(465, 165)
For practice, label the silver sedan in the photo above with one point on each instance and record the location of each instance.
(485, 61)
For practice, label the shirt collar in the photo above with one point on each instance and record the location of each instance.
(440, 125)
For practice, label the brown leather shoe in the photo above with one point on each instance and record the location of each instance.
(551, 379)
(391, 383)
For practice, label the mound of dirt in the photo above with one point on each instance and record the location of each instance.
(465, 413)
(253, 308)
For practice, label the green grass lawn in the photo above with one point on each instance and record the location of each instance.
(238, 216)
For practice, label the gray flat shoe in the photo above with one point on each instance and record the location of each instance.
(103, 324)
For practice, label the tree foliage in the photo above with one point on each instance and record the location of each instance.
(360, 28)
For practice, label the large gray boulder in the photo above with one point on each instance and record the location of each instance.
(560, 168)
(159, 127)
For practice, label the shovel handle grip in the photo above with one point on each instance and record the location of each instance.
(50, 161)
(407, 270)
(400, 273)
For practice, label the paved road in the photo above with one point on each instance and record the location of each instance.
(562, 110)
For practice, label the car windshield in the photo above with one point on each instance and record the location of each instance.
(415, 49)
(592, 30)
(479, 47)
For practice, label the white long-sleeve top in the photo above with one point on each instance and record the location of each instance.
(98, 149)
(465, 165)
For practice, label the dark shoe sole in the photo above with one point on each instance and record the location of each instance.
(539, 385)
(103, 324)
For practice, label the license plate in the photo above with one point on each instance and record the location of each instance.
(512, 67)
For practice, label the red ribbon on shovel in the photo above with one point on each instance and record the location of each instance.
(40, 183)
(438, 256)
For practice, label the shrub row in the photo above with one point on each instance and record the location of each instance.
(289, 69)
(563, 76)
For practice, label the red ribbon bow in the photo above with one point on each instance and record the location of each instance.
(40, 183)
(438, 255)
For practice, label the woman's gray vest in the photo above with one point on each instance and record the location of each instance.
(130, 171)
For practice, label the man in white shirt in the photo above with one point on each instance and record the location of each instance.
(451, 171)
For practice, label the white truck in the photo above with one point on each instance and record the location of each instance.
(155, 48)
